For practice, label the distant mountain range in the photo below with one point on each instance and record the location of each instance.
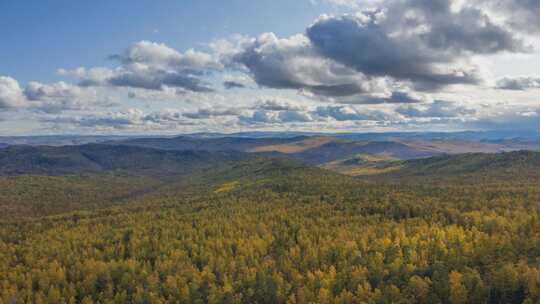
(493, 136)
(312, 150)
(384, 160)
(46, 179)
(171, 157)
(322, 149)
(56, 140)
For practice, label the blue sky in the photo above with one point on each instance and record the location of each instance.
(169, 67)
(41, 36)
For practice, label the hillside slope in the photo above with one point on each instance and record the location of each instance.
(49, 189)
(363, 164)
(318, 150)
(313, 150)
(92, 158)
(506, 167)
(278, 231)
(207, 144)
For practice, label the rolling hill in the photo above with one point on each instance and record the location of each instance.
(507, 167)
(312, 150)
(343, 149)
(40, 181)
(363, 164)
(318, 150)
(180, 143)
(57, 140)
(233, 227)
(516, 163)
(298, 145)
(94, 158)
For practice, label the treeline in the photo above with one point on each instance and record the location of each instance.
(300, 238)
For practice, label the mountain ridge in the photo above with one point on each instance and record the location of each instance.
(92, 158)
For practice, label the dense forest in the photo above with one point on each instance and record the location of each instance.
(275, 231)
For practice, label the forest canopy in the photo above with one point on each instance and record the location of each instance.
(269, 231)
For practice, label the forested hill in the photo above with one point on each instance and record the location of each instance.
(43, 194)
(207, 144)
(93, 158)
(470, 167)
(315, 150)
(248, 229)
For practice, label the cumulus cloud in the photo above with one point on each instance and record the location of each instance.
(295, 116)
(152, 66)
(206, 113)
(275, 117)
(164, 117)
(258, 117)
(278, 105)
(345, 113)
(141, 76)
(420, 44)
(237, 81)
(114, 120)
(368, 57)
(292, 63)
(353, 4)
(518, 84)
(11, 94)
(419, 41)
(151, 79)
(159, 54)
(519, 14)
(127, 119)
(39, 91)
(396, 97)
(233, 85)
(97, 76)
(390, 63)
(457, 28)
(49, 98)
(57, 97)
(279, 111)
(437, 109)
(165, 94)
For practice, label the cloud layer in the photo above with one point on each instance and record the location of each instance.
(386, 63)
(518, 83)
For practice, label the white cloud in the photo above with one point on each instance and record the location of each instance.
(11, 94)
(436, 109)
(346, 113)
(351, 4)
(129, 119)
(159, 54)
(292, 63)
(518, 83)
(151, 66)
(50, 98)
(206, 113)
(96, 76)
(279, 105)
(399, 63)
(58, 97)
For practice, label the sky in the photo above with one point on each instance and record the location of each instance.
(172, 67)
